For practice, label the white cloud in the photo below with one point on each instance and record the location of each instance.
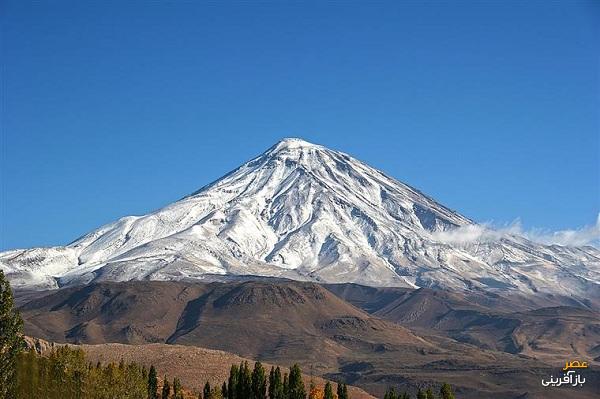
(587, 235)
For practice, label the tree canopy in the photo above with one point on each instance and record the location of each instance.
(11, 339)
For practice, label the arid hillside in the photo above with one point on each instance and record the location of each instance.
(411, 338)
(193, 365)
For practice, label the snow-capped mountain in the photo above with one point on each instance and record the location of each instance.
(305, 212)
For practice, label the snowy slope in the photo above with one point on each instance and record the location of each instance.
(305, 212)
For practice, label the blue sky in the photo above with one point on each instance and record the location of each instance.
(118, 108)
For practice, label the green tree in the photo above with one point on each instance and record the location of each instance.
(342, 391)
(421, 394)
(11, 339)
(259, 382)
(177, 389)
(429, 394)
(276, 389)
(166, 389)
(244, 383)
(272, 382)
(296, 384)
(328, 394)
(152, 383)
(224, 391)
(232, 382)
(206, 391)
(286, 386)
(64, 373)
(389, 394)
(446, 391)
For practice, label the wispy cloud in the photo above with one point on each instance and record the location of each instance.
(486, 232)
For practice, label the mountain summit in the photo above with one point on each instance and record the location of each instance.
(305, 212)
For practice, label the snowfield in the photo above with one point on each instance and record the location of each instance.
(305, 212)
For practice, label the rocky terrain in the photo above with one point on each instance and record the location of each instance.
(402, 337)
